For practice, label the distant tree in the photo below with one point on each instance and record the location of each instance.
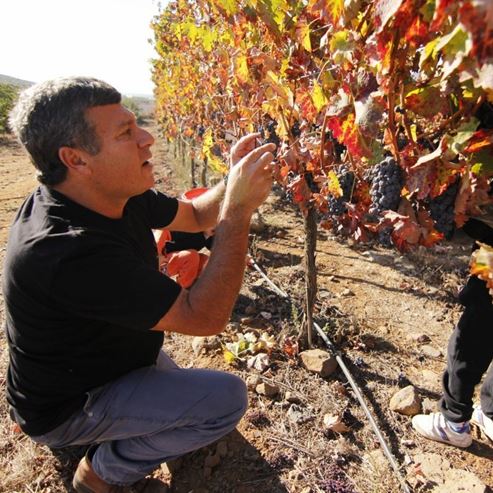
(8, 95)
(134, 107)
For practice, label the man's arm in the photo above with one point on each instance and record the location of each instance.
(202, 212)
(205, 308)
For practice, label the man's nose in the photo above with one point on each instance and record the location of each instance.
(145, 138)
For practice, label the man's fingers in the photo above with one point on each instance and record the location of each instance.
(259, 151)
(246, 143)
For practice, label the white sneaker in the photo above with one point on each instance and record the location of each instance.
(482, 421)
(435, 427)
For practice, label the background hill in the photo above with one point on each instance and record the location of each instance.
(14, 81)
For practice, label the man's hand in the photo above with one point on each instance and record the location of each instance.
(250, 180)
(243, 147)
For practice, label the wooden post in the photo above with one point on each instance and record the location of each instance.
(310, 226)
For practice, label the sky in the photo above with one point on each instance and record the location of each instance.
(107, 39)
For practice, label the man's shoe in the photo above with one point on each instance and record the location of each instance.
(482, 421)
(87, 481)
(435, 427)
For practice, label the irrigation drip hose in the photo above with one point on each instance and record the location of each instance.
(352, 382)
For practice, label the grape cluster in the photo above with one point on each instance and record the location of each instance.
(442, 210)
(485, 115)
(296, 130)
(312, 184)
(269, 135)
(337, 206)
(385, 191)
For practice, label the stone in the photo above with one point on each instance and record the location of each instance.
(420, 337)
(347, 292)
(445, 479)
(430, 379)
(406, 401)
(298, 414)
(292, 398)
(257, 224)
(334, 422)
(252, 381)
(430, 351)
(429, 406)
(259, 362)
(267, 389)
(203, 344)
(318, 361)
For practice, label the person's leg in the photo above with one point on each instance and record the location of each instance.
(151, 416)
(470, 352)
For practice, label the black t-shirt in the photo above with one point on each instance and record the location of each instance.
(81, 293)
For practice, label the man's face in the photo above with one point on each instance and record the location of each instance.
(121, 169)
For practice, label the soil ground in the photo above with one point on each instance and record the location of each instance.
(389, 314)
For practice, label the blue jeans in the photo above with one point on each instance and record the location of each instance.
(150, 416)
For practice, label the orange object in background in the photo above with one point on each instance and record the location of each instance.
(193, 193)
(185, 266)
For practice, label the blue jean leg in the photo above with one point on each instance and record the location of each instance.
(151, 416)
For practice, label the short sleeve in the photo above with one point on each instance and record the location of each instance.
(161, 209)
(111, 285)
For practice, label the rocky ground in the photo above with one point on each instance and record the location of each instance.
(390, 315)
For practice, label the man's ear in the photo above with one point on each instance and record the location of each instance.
(73, 159)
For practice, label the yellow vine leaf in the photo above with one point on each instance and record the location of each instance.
(336, 8)
(212, 160)
(241, 69)
(318, 97)
(229, 6)
(334, 187)
(303, 35)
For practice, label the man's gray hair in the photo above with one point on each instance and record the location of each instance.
(50, 115)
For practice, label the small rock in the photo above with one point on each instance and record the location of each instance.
(247, 320)
(252, 381)
(408, 443)
(347, 292)
(430, 379)
(406, 401)
(266, 315)
(429, 406)
(420, 337)
(290, 397)
(259, 362)
(298, 414)
(334, 422)
(318, 361)
(324, 294)
(430, 351)
(267, 389)
(203, 344)
(257, 224)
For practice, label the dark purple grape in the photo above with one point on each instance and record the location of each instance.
(386, 184)
(442, 210)
(337, 205)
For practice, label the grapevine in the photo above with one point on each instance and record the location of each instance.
(333, 83)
